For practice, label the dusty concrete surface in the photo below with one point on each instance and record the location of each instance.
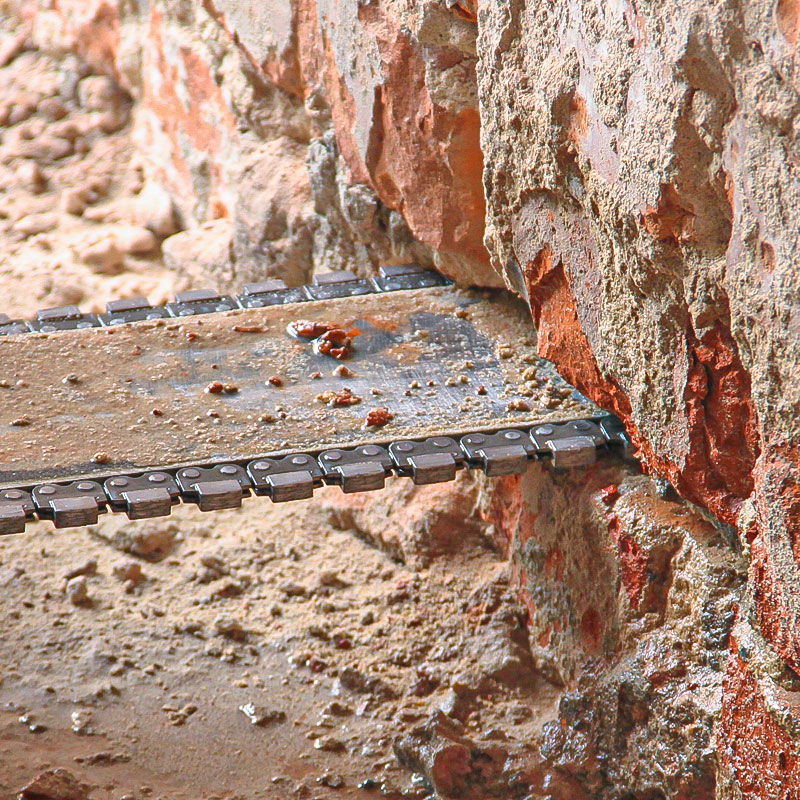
(639, 169)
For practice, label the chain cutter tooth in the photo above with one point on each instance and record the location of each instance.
(506, 452)
(328, 285)
(433, 460)
(270, 293)
(361, 469)
(199, 301)
(214, 488)
(571, 444)
(9, 327)
(408, 276)
(16, 508)
(282, 479)
(70, 505)
(63, 318)
(143, 496)
(120, 312)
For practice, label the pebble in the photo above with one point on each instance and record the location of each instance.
(261, 716)
(153, 209)
(43, 148)
(104, 257)
(72, 201)
(33, 224)
(331, 781)
(230, 627)
(55, 784)
(291, 589)
(52, 108)
(128, 571)
(153, 540)
(134, 240)
(88, 567)
(329, 744)
(98, 93)
(77, 590)
(30, 175)
(81, 723)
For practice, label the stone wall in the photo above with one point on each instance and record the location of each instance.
(629, 167)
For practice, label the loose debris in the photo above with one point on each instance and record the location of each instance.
(344, 397)
(377, 417)
(327, 338)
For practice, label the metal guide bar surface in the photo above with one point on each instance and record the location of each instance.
(96, 402)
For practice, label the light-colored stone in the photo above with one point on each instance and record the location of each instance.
(104, 256)
(134, 240)
(72, 201)
(77, 590)
(153, 209)
(33, 224)
(202, 253)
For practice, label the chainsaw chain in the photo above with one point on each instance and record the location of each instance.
(325, 286)
(212, 487)
(216, 486)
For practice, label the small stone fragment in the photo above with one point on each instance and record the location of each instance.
(72, 201)
(230, 627)
(215, 387)
(378, 417)
(331, 781)
(306, 329)
(133, 239)
(55, 784)
(77, 590)
(258, 715)
(30, 175)
(33, 224)
(104, 257)
(329, 744)
(81, 722)
(128, 571)
(88, 567)
(344, 397)
(154, 210)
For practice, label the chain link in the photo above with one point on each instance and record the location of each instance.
(577, 443)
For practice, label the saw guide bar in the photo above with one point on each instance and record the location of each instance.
(275, 392)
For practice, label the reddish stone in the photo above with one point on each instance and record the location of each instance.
(632, 562)
(754, 744)
(775, 550)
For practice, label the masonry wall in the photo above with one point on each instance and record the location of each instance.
(631, 168)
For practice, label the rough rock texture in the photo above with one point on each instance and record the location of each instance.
(332, 134)
(642, 185)
(630, 598)
(632, 169)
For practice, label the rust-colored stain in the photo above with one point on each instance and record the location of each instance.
(760, 752)
(592, 629)
(632, 562)
(672, 220)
